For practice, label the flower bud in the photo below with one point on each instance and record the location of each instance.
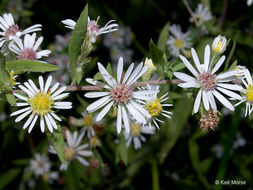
(147, 75)
(219, 44)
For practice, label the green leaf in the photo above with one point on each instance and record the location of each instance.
(76, 41)
(4, 76)
(122, 149)
(2, 60)
(163, 37)
(232, 67)
(22, 66)
(230, 56)
(57, 141)
(175, 126)
(99, 157)
(11, 99)
(9, 176)
(158, 57)
(178, 66)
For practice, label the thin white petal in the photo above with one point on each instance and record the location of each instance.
(104, 111)
(125, 120)
(218, 64)
(189, 66)
(119, 69)
(119, 119)
(33, 123)
(205, 100)
(48, 82)
(197, 101)
(223, 100)
(207, 57)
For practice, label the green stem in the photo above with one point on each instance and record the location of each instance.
(155, 175)
(230, 56)
(228, 145)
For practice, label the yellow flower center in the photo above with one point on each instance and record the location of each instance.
(87, 120)
(154, 107)
(249, 93)
(149, 62)
(94, 141)
(218, 46)
(179, 43)
(12, 79)
(69, 153)
(135, 129)
(41, 103)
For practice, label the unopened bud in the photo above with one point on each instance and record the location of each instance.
(219, 44)
(151, 68)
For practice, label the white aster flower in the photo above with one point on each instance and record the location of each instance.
(29, 49)
(219, 44)
(120, 93)
(136, 134)
(41, 167)
(209, 84)
(88, 125)
(93, 29)
(74, 149)
(11, 30)
(249, 2)
(178, 41)
(155, 106)
(247, 93)
(201, 15)
(39, 103)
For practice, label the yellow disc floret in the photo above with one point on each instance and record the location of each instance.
(154, 107)
(12, 78)
(135, 129)
(179, 43)
(249, 93)
(69, 153)
(87, 120)
(41, 103)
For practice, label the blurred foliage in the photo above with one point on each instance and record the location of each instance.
(180, 155)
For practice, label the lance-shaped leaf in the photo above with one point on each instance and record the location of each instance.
(57, 141)
(22, 66)
(76, 41)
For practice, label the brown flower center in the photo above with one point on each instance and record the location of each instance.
(207, 81)
(121, 93)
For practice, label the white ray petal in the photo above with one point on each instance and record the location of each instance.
(22, 116)
(41, 82)
(96, 94)
(218, 64)
(223, 100)
(33, 123)
(28, 121)
(119, 69)
(49, 126)
(125, 120)
(207, 57)
(95, 105)
(104, 111)
(119, 119)
(20, 111)
(128, 72)
(197, 101)
(205, 100)
(48, 82)
(189, 66)
(196, 59)
(229, 93)
(42, 124)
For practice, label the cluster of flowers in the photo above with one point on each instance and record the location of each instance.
(138, 110)
(118, 43)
